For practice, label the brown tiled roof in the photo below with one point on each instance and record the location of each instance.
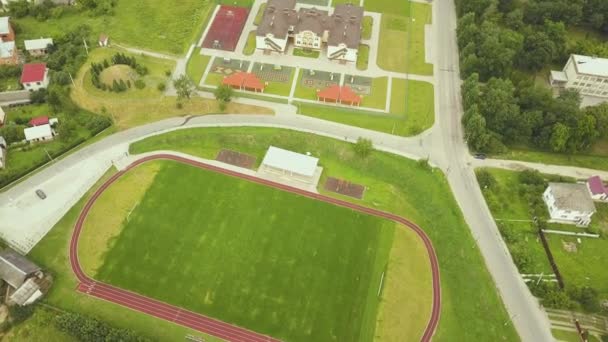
(346, 26)
(279, 15)
(312, 19)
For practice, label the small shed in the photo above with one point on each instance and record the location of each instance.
(104, 40)
(38, 47)
(39, 133)
(15, 269)
(597, 189)
(2, 117)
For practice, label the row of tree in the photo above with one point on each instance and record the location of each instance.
(49, 9)
(117, 85)
(89, 329)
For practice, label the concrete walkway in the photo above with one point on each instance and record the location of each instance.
(562, 170)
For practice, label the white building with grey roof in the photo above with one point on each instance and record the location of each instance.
(588, 75)
(569, 203)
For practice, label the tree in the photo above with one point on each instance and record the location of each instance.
(66, 130)
(38, 96)
(223, 93)
(471, 91)
(363, 147)
(538, 51)
(486, 179)
(559, 137)
(475, 130)
(184, 87)
(12, 133)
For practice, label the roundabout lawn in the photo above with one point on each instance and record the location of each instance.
(281, 264)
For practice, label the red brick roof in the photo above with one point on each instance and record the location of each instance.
(348, 95)
(244, 80)
(330, 93)
(39, 121)
(33, 72)
(251, 81)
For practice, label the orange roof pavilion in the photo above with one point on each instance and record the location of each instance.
(244, 81)
(335, 93)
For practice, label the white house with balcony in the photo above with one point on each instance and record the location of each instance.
(569, 203)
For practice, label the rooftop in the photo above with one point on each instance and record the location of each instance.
(40, 120)
(37, 44)
(279, 15)
(4, 26)
(33, 72)
(572, 196)
(596, 186)
(37, 132)
(14, 267)
(591, 65)
(6, 49)
(290, 161)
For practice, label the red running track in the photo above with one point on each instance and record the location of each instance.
(206, 324)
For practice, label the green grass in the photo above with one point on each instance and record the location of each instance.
(377, 99)
(507, 204)
(214, 79)
(259, 15)
(367, 24)
(388, 6)
(152, 25)
(39, 327)
(10, 84)
(240, 3)
(591, 161)
(303, 92)
(197, 65)
(338, 2)
(402, 42)
(52, 254)
(363, 57)
(304, 53)
(249, 48)
(396, 185)
(259, 96)
(272, 263)
(420, 113)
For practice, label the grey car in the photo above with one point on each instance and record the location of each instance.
(40, 194)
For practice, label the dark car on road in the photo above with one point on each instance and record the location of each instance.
(40, 194)
(479, 156)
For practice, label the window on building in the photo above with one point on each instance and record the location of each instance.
(38, 83)
(575, 83)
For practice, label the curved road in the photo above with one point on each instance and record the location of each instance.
(205, 324)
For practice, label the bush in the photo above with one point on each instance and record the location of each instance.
(139, 84)
(363, 147)
(423, 164)
(161, 87)
(532, 177)
(587, 297)
(89, 329)
(486, 179)
(167, 73)
(19, 314)
(38, 96)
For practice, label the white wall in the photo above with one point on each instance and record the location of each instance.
(585, 84)
(351, 54)
(261, 44)
(562, 215)
(35, 86)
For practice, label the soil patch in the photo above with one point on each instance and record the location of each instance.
(117, 73)
(344, 187)
(236, 158)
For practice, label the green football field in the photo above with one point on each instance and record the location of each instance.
(271, 261)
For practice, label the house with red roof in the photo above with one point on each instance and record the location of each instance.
(596, 187)
(244, 81)
(342, 94)
(35, 76)
(39, 121)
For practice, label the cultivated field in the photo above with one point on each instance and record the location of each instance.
(255, 256)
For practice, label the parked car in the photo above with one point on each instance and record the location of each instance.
(479, 156)
(40, 194)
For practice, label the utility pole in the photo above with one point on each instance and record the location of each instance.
(85, 45)
(47, 153)
(72, 79)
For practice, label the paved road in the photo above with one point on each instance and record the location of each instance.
(569, 171)
(206, 324)
(452, 154)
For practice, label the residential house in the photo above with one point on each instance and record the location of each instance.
(39, 133)
(588, 75)
(35, 76)
(22, 276)
(569, 203)
(3, 149)
(8, 53)
(7, 34)
(38, 47)
(597, 189)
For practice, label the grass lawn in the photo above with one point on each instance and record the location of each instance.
(388, 6)
(249, 48)
(303, 53)
(395, 185)
(197, 65)
(214, 79)
(140, 23)
(338, 2)
(377, 99)
(259, 15)
(367, 23)
(39, 327)
(402, 42)
(136, 107)
(571, 336)
(10, 84)
(52, 252)
(419, 117)
(593, 160)
(363, 57)
(507, 204)
(240, 3)
(303, 92)
(295, 264)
